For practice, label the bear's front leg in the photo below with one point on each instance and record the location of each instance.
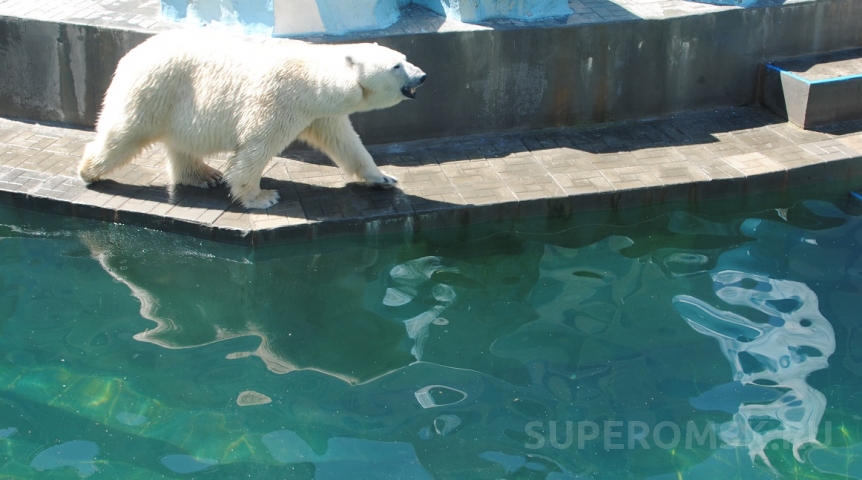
(336, 137)
(243, 173)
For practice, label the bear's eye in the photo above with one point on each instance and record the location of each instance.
(396, 67)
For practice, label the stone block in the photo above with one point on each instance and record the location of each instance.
(815, 90)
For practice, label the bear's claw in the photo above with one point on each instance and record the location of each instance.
(214, 178)
(385, 182)
(202, 176)
(209, 178)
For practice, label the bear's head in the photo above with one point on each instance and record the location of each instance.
(385, 76)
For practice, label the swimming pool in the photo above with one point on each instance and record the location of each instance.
(684, 341)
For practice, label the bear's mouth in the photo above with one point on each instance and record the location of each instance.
(409, 92)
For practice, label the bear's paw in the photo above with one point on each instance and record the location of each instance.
(262, 200)
(208, 178)
(384, 181)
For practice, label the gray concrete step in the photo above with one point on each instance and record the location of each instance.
(815, 90)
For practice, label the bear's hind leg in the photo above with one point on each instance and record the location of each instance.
(108, 153)
(185, 169)
(336, 137)
(243, 173)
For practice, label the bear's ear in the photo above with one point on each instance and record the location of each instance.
(350, 61)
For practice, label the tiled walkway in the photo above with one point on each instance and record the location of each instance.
(444, 182)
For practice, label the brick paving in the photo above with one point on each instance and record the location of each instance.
(444, 182)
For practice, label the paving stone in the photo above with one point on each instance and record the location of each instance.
(485, 174)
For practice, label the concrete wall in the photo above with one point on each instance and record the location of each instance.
(489, 80)
(58, 72)
(539, 77)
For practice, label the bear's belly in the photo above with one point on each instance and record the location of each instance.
(202, 132)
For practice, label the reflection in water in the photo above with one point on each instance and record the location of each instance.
(407, 278)
(439, 396)
(791, 338)
(337, 313)
(778, 354)
(446, 424)
(430, 358)
(579, 300)
(729, 396)
(306, 310)
(250, 397)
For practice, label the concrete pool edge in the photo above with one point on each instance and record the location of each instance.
(847, 169)
(707, 57)
(449, 183)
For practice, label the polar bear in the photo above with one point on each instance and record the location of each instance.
(202, 93)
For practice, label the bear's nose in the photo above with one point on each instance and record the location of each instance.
(422, 79)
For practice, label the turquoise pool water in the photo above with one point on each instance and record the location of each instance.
(690, 341)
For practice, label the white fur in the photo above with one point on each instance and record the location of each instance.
(202, 93)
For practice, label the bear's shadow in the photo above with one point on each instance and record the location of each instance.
(316, 202)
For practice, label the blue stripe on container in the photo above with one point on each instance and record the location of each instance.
(813, 82)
